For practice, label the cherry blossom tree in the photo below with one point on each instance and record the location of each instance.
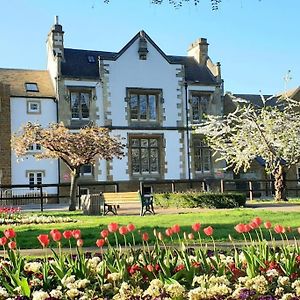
(75, 149)
(269, 132)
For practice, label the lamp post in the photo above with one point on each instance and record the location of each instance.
(187, 129)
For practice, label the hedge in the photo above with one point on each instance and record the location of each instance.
(200, 199)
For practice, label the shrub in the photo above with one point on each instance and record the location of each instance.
(197, 199)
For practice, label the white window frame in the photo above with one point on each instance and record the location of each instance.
(31, 110)
(37, 176)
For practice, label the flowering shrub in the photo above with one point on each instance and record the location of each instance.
(185, 270)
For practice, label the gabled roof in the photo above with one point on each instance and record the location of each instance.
(17, 78)
(76, 63)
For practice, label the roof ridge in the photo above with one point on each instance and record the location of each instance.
(16, 69)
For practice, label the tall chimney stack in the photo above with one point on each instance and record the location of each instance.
(199, 50)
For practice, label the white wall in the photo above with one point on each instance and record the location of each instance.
(20, 117)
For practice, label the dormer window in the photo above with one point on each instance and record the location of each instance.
(31, 87)
(91, 58)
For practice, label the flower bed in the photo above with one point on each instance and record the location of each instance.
(185, 270)
(12, 215)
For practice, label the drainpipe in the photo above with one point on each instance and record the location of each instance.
(187, 129)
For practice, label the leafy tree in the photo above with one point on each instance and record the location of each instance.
(269, 132)
(75, 149)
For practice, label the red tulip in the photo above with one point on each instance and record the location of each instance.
(190, 236)
(44, 240)
(56, 236)
(268, 225)
(3, 241)
(53, 231)
(9, 233)
(196, 227)
(240, 228)
(253, 225)
(247, 228)
(130, 227)
(279, 229)
(257, 220)
(67, 234)
(208, 231)
(12, 245)
(150, 268)
(176, 228)
(76, 234)
(100, 243)
(169, 232)
(104, 233)
(123, 230)
(79, 242)
(112, 227)
(145, 236)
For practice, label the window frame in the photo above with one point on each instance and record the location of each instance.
(199, 95)
(84, 174)
(148, 92)
(159, 158)
(38, 176)
(200, 159)
(80, 91)
(29, 87)
(34, 111)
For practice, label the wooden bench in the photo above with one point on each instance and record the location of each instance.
(112, 201)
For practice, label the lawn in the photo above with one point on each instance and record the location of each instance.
(223, 222)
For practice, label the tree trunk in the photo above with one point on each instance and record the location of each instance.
(73, 189)
(280, 184)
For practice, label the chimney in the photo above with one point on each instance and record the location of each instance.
(55, 39)
(199, 50)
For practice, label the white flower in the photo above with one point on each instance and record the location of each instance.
(3, 293)
(56, 293)
(72, 293)
(34, 267)
(287, 296)
(272, 273)
(39, 295)
(283, 280)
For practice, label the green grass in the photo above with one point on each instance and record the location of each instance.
(223, 222)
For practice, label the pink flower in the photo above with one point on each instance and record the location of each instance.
(190, 236)
(44, 240)
(3, 241)
(240, 228)
(76, 234)
(100, 243)
(104, 233)
(12, 245)
(196, 227)
(208, 231)
(279, 229)
(247, 228)
(56, 236)
(176, 228)
(268, 225)
(123, 230)
(169, 232)
(258, 221)
(112, 227)
(79, 242)
(130, 227)
(9, 233)
(145, 236)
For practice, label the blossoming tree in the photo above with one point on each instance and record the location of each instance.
(75, 149)
(269, 132)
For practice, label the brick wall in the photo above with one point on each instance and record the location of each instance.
(5, 134)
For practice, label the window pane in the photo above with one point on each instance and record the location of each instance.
(152, 107)
(143, 107)
(135, 160)
(75, 105)
(39, 178)
(135, 142)
(195, 109)
(85, 102)
(144, 143)
(153, 142)
(133, 107)
(153, 160)
(145, 160)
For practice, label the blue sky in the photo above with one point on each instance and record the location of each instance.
(257, 42)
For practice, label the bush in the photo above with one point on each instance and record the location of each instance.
(197, 199)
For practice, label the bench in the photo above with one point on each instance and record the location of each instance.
(112, 201)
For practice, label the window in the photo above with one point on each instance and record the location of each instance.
(202, 156)
(91, 58)
(298, 173)
(199, 105)
(143, 105)
(80, 105)
(31, 87)
(35, 147)
(35, 177)
(145, 155)
(33, 107)
(86, 170)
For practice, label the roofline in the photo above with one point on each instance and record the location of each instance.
(15, 69)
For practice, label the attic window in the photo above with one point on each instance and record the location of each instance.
(91, 59)
(31, 87)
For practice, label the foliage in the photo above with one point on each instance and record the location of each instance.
(75, 149)
(180, 3)
(186, 269)
(269, 132)
(197, 199)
